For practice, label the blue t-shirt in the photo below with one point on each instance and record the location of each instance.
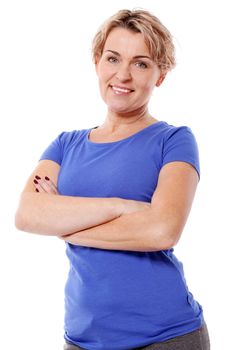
(116, 299)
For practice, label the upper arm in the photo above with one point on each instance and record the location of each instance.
(173, 197)
(51, 158)
(44, 168)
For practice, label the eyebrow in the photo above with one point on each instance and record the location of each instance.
(138, 56)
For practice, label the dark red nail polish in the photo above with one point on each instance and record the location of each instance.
(35, 182)
(37, 190)
(37, 177)
(47, 178)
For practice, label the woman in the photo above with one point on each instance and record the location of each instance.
(119, 195)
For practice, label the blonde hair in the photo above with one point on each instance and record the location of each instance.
(157, 37)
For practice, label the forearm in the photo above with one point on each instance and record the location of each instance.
(61, 215)
(135, 231)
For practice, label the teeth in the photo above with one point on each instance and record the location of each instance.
(118, 89)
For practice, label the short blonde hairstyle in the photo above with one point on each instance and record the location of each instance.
(157, 37)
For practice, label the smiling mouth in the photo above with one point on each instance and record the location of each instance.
(119, 90)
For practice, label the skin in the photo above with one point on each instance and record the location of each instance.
(45, 212)
(127, 76)
(126, 62)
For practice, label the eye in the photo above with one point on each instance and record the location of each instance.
(141, 65)
(112, 59)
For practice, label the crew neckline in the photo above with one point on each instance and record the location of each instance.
(123, 140)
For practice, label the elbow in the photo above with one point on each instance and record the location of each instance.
(20, 221)
(165, 243)
(166, 238)
(171, 238)
(22, 216)
(168, 243)
(28, 221)
(24, 220)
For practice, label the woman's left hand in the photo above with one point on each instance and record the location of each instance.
(44, 185)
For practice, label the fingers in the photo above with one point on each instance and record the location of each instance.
(51, 184)
(44, 185)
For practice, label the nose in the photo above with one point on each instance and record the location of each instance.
(123, 73)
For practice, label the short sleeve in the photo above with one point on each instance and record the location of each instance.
(180, 145)
(55, 150)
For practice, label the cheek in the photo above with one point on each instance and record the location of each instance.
(104, 72)
(145, 81)
(146, 86)
(149, 80)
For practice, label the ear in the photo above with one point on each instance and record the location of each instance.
(161, 79)
(96, 62)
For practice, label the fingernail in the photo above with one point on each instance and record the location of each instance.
(37, 177)
(37, 190)
(47, 178)
(35, 182)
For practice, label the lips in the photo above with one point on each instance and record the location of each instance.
(121, 90)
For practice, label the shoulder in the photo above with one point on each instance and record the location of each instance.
(70, 138)
(179, 144)
(170, 130)
(182, 135)
(62, 144)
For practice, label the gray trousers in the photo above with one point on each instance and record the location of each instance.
(197, 340)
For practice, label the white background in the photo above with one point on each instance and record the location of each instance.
(48, 85)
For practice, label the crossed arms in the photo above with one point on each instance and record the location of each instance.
(109, 223)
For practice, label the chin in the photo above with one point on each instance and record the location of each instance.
(118, 108)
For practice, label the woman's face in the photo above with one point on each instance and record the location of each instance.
(127, 74)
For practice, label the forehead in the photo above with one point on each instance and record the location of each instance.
(126, 42)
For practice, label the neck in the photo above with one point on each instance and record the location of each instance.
(117, 121)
